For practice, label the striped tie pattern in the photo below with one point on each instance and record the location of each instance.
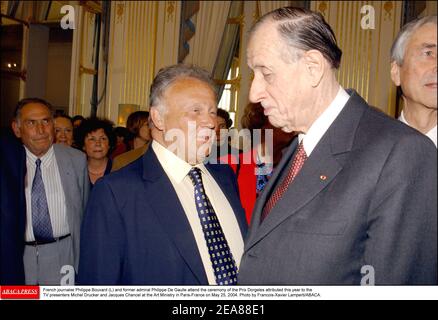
(297, 164)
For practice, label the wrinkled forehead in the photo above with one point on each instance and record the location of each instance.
(35, 111)
(263, 35)
(186, 82)
(264, 42)
(426, 35)
(188, 87)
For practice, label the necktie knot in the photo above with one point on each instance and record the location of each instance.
(195, 176)
(38, 162)
(301, 153)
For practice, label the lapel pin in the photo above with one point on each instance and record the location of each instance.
(323, 177)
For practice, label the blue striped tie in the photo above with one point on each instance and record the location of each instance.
(224, 267)
(42, 228)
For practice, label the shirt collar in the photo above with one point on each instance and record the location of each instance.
(46, 159)
(402, 118)
(432, 134)
(176, 168)
(323, 122)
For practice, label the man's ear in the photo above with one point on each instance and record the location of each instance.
(16, 129)
(315, 66)
(395, 73)
(157, 118)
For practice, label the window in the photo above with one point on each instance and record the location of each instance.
(230, 94)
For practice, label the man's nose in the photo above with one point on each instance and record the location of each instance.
(40, 127)
(256, 92)
(209, 121)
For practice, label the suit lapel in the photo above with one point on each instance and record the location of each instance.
(305, 187)
(169, 211)
(315, 174)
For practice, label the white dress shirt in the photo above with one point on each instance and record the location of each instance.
(323, 122)
(54, 193)
(177, 170)
(432, 134)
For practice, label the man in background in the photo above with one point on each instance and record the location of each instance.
(414, 69)
(12, 209)
(56, 191)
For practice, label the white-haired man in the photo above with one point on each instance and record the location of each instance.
(414, 68)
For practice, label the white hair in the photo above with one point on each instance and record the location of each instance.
(168, 75)
(399, 46)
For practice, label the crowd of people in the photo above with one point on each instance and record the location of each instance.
(331, 185)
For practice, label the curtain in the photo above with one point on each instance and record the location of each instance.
(229, 46)
(210, 23)
(84, 55)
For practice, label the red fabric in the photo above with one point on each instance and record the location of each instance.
(297, 164)
(246, 181)
(119, 149)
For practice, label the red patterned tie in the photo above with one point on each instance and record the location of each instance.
(297, 164)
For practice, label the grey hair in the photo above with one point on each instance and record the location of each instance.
(304, 30)
(23, 102)
(399, 46)
(168, 75)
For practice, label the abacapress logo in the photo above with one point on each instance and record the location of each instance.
(19, 292)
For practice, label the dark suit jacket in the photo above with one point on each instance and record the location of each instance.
(135, 230)
(376, 207)
(12, 210)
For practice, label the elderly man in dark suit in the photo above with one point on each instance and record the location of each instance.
(354, 200)
(168, 218)
(12, 209)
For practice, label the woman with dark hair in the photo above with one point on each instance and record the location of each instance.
(137, 124)
(96, 138)
(63, 129)
(77, 120)
(122, 142)
(223, 122)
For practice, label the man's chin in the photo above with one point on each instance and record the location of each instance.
(431, 102)
(277, 123)
(196, 160)
(202, 153)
